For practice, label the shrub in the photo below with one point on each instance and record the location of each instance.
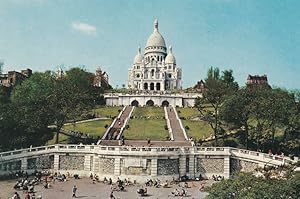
(187, 128)
(127, 126)
(106, 126)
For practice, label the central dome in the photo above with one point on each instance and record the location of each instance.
(156, 39)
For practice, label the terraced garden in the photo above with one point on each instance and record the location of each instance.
(147, 122)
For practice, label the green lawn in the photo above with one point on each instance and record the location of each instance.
(197, 129)
(147, 122)
(93, 128)
(63, 139)
(141, 129)
(107, 111)
(188, 112)
(149, 112)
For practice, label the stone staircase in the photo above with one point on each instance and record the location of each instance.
(177, 130)
(116, 128)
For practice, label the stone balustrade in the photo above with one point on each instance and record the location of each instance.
(135, 162)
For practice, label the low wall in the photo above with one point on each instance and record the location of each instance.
(137, 163)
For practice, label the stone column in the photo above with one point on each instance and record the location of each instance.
(226, 167)
(154, 167)
(56, 162)
(24, 165)
(192, 160)
(87, 163)
(182, 165)
(117, 170)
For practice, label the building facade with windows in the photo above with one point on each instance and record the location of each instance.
(156, 69)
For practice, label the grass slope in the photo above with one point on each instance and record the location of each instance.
(147, 122)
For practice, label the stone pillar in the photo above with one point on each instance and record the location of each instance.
(56, 162)
(87, 163)
(154, 167)
(24, 165)
(226, 167)
(192, 160)
(182, 165)
(117, 170)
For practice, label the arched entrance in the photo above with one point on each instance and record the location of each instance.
(135, 103)
(145, 86)
(150, 103)
(152, 86)
(165, 103)
(158, 86)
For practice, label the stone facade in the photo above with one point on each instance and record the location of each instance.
(175, 100)
(135, 166)
(167, 166)
(106, 165)
(101, 79)
(10, 166)
(42, 162)
(213, 165)
(71, 162)
(156, 70)
(242, 165)
(13, 77)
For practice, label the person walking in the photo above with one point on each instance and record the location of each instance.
(74, 191)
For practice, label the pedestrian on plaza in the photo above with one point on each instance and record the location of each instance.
(27, 196)
(74, 191)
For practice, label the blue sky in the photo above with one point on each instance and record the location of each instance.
(248, 36)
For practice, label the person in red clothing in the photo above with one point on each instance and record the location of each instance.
(27, 196)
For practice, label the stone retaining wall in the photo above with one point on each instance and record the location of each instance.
(212, 165)
(106, 165)
(40, 163)
(11, 166)
(167, 166)
(71, 162)
(242, 165)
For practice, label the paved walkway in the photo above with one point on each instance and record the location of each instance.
(143, 143)
(88, 190)
(175, 125)
(116, 128)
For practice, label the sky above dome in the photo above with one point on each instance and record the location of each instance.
(247, 36)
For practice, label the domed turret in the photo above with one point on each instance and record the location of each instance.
(138, 58)
(170, 59)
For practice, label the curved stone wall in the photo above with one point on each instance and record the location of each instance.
(137, 163)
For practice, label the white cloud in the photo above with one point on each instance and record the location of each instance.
(84, 28)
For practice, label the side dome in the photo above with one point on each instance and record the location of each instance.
(156, 39)
(138, 58)
(170, 58)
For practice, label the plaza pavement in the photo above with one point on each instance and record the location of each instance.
(88, 190)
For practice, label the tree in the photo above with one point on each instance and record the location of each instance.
(246, 185)
(45, 99)
(237, 110)
(214, 95)
(71, 96)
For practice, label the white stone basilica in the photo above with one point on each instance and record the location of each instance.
(157, 69)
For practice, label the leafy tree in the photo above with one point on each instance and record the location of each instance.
(237, 110)
(246, 185)
(45, 99)
(215, 94)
